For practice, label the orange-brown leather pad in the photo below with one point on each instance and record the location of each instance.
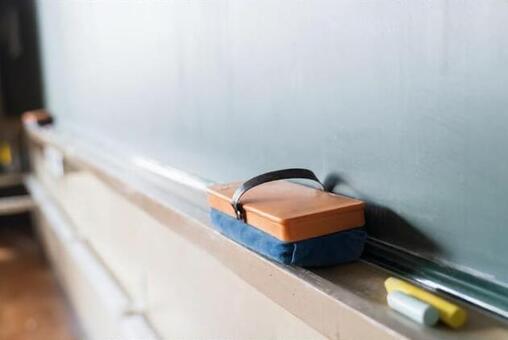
(291, 212)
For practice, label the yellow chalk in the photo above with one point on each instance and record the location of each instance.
(449, 313)
(5, 154)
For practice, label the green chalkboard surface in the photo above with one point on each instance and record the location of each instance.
(401, 104)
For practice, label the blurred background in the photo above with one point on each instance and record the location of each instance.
(20, 77)
(32, 305)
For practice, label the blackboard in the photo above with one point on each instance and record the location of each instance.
(402, 104)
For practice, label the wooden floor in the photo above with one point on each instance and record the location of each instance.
(32, 304)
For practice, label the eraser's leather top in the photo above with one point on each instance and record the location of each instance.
(291, 212)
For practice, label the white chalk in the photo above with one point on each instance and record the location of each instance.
(413, 308)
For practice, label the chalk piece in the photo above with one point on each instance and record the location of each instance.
(449, 313)
(414, 309)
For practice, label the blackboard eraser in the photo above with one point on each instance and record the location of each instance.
(37, 117)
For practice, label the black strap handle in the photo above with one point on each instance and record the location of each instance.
(265, 178)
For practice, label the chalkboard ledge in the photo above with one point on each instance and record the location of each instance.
(342, 302)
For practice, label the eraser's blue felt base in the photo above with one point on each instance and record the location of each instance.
(327, 250)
